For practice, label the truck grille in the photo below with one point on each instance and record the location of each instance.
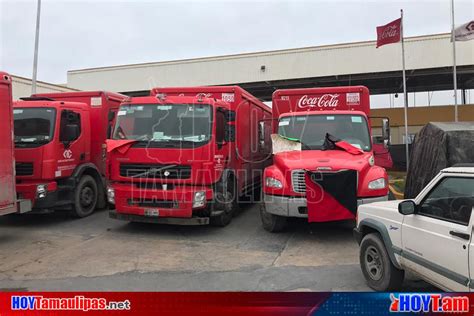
(24, 168)
(298, 181)
(155, 171)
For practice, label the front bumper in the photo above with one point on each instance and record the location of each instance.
(27, 191)
(297, 207)
(175, 203)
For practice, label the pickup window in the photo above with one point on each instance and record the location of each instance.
(451, 200)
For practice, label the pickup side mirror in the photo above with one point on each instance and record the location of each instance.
(386, 130)
(407, 207)
(70, 133)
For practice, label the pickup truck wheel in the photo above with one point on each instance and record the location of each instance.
(226, 202)
(270, 222)
(85, 197)
(378, 269)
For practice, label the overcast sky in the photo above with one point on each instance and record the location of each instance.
(83, 34)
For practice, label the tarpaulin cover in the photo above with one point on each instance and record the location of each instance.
(438, 146)
(331, 142)
(331, 196)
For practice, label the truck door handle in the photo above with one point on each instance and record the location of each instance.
(83, 156)
(460, 235)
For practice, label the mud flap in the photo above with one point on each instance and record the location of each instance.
(331, 196)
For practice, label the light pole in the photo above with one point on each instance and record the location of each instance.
(35, 58)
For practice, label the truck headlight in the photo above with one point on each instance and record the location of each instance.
(273, 183)
(372, 161)
(41, 191)
(199, 199)
(377, 184)
(111, 195)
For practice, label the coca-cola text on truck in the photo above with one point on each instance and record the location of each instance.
(332, 170)
(186, 155)
(60, 149)
(8, 197)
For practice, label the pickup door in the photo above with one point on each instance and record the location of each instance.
(437, 239)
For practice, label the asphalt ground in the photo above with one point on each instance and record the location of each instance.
(60, 253)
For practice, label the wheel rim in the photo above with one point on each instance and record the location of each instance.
(87, 197)
(373, 263)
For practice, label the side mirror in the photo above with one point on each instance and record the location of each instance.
(386, 129)
(229, 133)
(407, 207)
(69, 133)
(111, 116)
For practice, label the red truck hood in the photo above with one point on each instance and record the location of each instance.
(314, 159)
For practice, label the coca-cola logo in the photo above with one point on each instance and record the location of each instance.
(390, 31)
(323, 101)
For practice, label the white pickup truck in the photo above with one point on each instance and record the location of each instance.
(430, 236)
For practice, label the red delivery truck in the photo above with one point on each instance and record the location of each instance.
(332, 169)
(187, 155)
(60, 149)
(8, 198)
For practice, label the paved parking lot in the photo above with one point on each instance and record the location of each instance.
(57, 252)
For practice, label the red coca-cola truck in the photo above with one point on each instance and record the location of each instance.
(332, 169)
(60, 149)
(8, 197)
(187, 155)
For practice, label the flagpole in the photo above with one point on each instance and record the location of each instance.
(405, 96)
(453, 39)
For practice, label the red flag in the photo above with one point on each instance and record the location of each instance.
(389, 33)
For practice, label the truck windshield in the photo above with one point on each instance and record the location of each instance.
(33, 126)
(311, 130)
(165, 125)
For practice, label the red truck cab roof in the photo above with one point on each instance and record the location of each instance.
(49, 104)
(173, 100)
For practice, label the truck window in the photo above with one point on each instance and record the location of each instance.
(311, 129)
(451, 200)
(165, 125)
(33, 126)
(220, 127)
(69, 118)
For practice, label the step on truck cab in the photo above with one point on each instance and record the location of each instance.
(8, 197)
(60, 149)
(334, 156)
(187, 155)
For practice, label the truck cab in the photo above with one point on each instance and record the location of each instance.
(314, 118)
(60, 149)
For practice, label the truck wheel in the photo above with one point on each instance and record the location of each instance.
(378, 269)
(270, 222)
(226, 202)
(85, 197)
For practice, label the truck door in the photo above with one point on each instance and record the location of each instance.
(436, 240)
(72, 136)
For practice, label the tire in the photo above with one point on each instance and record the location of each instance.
(378, 269)
(226, 201)
(270, 222)
(85, 197)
